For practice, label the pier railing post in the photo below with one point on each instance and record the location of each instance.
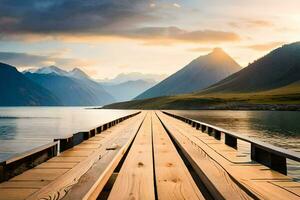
(217, 134)
(275, 162)
(230, 141)
(209, 131)
(203, 128)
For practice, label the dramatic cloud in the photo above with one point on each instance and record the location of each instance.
(175, 33)
(33, 19)
(29, 60)
(265, 47)
(61, 16)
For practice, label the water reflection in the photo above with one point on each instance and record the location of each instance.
(24, 128)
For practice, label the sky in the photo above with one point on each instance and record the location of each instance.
(108, 37)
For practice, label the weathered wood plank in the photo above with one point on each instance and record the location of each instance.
(216, 179)
(58, 188)
(66, 159)
(24, 184)
(92, 182)
(75, 153)
(135, 180)
(173, 179)
(40, 174)
(56, 165)
(15, 194)
(253, 177)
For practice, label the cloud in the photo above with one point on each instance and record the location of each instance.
(176, 5)
(76, 16)
(177, 34)
(30, 60)
(55, 19)
(251, 23)
(265, 47)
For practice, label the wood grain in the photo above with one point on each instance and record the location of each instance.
(173, 179)
(135, 180)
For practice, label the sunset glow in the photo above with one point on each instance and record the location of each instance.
(107, 37)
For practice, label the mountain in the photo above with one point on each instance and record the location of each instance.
(72, 91)
(270, 83)
(75, 73)
(279, 68)
(18, 90)
(78, 73)
(133, 76)
(197, 75)
(128, 90)
(48, 70)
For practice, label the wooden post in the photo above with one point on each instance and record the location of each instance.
(203, 128)
(275, 162)
(99, 129)
(65, 143)
(210, 131)
(217, 134)
(28, 160)
(198, 126)
(92, 132)
(2, 171)
(193, 124)
(230, 141)
(104, 127)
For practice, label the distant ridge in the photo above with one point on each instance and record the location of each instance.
(199, 74)
(270, 83)
(72, 91)
(74, 73)
(279, 68)
(18, 90)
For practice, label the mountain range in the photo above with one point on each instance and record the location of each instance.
(129, 89)
(279, 68)
(271, 82)
(68, 88)
(17, 90)
(133, 76)
(212, 81)
(197, 75)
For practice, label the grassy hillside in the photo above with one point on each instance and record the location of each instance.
(285, 98)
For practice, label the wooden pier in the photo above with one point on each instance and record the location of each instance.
(150, 155)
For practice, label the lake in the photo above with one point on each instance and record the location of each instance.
(24, 128)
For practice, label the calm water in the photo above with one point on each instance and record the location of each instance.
(24, 128)
(280, 128)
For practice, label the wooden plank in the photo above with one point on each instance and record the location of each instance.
(58, 188)
(56, 165)
(66, 159)
(173, 179)
(135, 180)
(87, 146)
(92, 182)
(15, 194)
(216, 179)
(40, 174)
(253, 177)
(75, 153)
(24, 184)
